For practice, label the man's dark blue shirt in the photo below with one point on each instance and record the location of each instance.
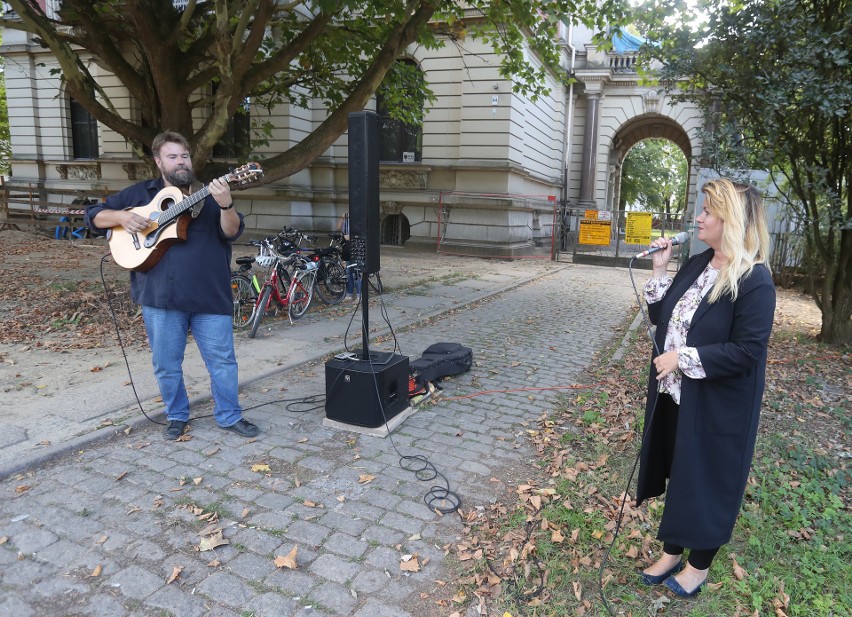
(193, 275)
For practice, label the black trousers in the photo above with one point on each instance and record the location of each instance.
(667, 411)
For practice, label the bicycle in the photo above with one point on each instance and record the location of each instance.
(244, 290)
(245, 287)
(298, 287)
(331, 273)
(330, 284)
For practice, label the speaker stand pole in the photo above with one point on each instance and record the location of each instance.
(365, 316)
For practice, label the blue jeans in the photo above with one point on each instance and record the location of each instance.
(353, 281)
(167, 332)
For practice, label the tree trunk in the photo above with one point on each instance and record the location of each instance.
(836, 323)
(837, 296)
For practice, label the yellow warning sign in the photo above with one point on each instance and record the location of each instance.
(637, 230)
(595, 232)
(591, 215)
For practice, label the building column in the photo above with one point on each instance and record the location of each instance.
(590, 147)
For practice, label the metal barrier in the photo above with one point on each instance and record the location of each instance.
(609, 244)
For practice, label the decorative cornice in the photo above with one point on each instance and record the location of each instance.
(398, 179)
(79, 171)
(138, 171)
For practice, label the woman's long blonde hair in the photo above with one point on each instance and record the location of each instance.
(745, 234)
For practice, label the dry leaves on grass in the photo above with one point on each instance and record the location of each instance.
(803, 379)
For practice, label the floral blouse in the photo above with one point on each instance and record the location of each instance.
(689, 363)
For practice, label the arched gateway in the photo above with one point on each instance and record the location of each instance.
(616, 112)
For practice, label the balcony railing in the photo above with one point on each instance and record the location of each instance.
(623, 63)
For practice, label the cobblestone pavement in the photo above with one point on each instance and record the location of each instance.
(102, 530)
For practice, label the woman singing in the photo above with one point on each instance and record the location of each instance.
(706, 382)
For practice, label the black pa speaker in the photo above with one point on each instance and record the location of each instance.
(366, 393)
(364, 189)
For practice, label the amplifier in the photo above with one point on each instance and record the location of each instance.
(366, 392)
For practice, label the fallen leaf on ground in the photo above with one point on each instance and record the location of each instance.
(409, 563)
(176, 570)
(260, 467)
(288, 560)
(211, 542)
(365, 478)
(97, 571)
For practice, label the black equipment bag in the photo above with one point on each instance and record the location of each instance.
(441, 360)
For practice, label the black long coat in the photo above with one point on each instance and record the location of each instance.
(718, 415)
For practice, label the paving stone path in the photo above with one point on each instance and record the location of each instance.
(101, 531)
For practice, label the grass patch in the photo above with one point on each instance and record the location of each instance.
(792, 544)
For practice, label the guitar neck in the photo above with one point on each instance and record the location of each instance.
(175, 210)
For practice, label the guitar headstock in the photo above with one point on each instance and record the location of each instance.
(245, 174)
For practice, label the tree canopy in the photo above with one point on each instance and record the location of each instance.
(654, 177)
(775, 80)
(216, 54)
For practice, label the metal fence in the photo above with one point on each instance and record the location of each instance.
(616, 251)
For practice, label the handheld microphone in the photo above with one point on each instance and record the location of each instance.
(679, 238)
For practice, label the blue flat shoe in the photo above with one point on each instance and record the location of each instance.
(650, 579)
(676, 587)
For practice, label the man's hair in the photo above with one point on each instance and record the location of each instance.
(168, 137)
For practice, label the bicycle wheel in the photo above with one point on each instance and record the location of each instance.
(331, 283)
(265, 299)
(245, 299)
(301, 294)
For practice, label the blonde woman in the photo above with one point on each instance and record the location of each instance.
(706, 382)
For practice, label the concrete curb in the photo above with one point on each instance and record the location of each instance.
(52, 453)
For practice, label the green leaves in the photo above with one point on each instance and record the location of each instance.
(775, 80)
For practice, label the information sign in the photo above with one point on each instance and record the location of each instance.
(637, 230)
(595, 232)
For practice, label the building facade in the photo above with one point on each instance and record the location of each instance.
(490, 172)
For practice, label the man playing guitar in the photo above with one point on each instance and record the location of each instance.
(188, 285)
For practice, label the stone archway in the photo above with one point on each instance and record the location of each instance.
(648, 126)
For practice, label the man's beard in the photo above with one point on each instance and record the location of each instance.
(180, 176)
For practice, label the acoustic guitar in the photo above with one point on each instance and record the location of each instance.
(141, 251)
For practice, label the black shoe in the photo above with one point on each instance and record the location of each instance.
(676, 587)
(650, 579)
(243, 428)
(174, 429)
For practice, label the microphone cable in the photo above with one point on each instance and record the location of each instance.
(647, 426)
(120, 342)
(439, 498)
